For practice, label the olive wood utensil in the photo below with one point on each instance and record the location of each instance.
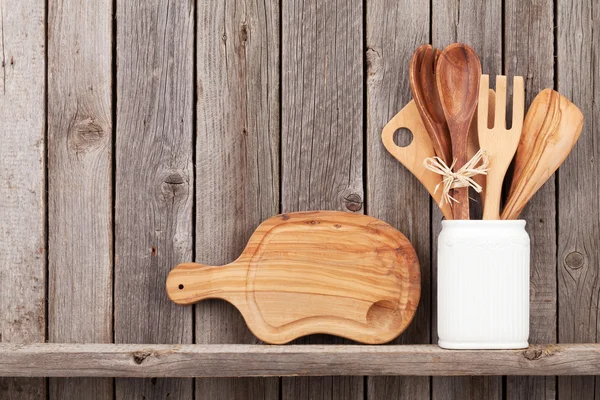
(500, 142)
(413, 155)
(301, 273)
(457, 73)
(551, 129)
(473, 143)
(425, 93)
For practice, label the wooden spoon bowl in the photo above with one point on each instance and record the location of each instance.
(551, 129)
(457, 74)
(425, 93)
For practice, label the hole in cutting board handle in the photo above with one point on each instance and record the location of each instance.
(403, 137)
(180, 286)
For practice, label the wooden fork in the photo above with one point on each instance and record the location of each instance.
(500, 143)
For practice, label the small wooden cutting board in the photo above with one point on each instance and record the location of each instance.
(302, 273)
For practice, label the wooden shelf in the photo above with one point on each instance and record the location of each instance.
(235, 360)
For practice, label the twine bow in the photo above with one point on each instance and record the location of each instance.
(460, 178)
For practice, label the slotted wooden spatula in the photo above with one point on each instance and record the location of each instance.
(500, 142)
(301, 273)
(473, 143)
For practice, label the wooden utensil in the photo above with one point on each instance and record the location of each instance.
(457, 74)
(473, 143)
(500, 143)
(551, 129)
(311, 272)
(419, 149)
(425, 93)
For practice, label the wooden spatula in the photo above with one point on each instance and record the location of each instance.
(457, 72)
(500, 142)
(551, 129)
(413, 155)
(301, 273)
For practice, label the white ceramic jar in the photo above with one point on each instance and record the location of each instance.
(483, 285)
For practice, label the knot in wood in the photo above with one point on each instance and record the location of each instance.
(575, 260)
(539, 352)
(140, 356)
(244, 33)
(174, 184)
(373, 60)
(87, 134)
(533, 354)
(353, 202)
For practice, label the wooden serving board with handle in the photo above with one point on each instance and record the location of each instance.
(301, 273)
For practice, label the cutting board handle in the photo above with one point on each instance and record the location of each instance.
(413, 155)
(189, 283)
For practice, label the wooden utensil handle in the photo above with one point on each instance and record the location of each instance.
(189, 283)
(461, 209)
(491, 211)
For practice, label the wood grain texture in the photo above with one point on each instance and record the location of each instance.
(552, 127)
(413, 155)
(303, 273)
(529, 52)
(239, 360)
(394, 30)
(80, 183)
(478, 24)
(579, 185)
(154, 179)
(322, 146)
(22, 184)
(237, 154)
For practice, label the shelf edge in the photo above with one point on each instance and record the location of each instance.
(237, 360)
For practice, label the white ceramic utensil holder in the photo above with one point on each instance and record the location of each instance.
(483, 285)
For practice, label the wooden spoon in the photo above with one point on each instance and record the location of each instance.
(419, 149)
(457, 73)
(551, 129)
(425, 93)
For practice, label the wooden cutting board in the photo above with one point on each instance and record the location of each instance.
(301, 273)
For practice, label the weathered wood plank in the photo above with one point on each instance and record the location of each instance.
(322, 149)
(237, 159)
(478, 24)
(239, 360)
(22, 183)
(394, 30)
(579, 184)
(80, 183)
(154, 179)
(529, 52)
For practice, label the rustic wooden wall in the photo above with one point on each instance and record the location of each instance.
(137, 134)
